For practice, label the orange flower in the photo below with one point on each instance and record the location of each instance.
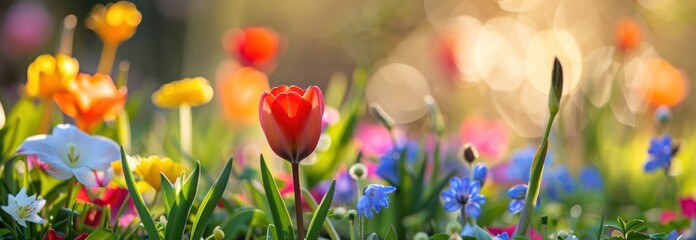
(91, 99)
(48, 75)
(254, 46)
(291, 120)
(667, 85)
(628, 34)
(240, 90)
(114, 23)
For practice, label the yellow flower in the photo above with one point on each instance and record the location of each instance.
(48, 75)
(114, 23)
(189, 91)
(150, 168)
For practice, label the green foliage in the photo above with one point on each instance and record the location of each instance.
(102, 234)
(279, 212)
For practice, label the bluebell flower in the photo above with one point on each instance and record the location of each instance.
(559, 182)
(660, 151)
(503, 236)
(521, 163)
(480, 172)
(517, 193)
(590, 179)
(388, 168)
(374, 197)
(463, 193)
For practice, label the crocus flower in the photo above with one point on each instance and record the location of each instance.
(53, 235)
(188, 91)
(291, 120)
(463, 193)
(253, 46)
(113, 199)
(660, 152)
(489, 137)
(48, 75)
(23, 208)
(114, 23)
(521, 162)
(71, 152)
(389, 162)
(517, 193)
(239, 90)
(374, 197)
(150, 168)
(91, 100)
(480, 172)
(665, 85)
(628, 34)
(688, 207)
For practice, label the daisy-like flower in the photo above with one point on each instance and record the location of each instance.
(464, 193)
(71, 152)
(374, 197)
(661, 152)
(24, 208)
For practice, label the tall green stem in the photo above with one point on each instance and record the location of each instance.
(185, 128)
(298, 200)
(534, 181)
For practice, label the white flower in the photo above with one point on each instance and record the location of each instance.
(24, 208)
(71, 152)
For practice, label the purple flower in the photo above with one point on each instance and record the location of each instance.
(345, 188)
(389, 162)
(464, 193)
(660, 151)
(375, 197)
(26, 27)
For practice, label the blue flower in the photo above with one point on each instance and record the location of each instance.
(517, 193)
(559, 183)
(374, 197)
(591, 179)
(521, 163)
(673, 235)
(467, 230)
(463, 193)
(503, 236)
(480, 172)
(388, 168)
(660, 151)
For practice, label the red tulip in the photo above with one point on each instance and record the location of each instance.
(291, 120)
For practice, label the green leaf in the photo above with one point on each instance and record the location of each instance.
(440, 236)
(320, 215)
(210, 202)
(328, 226)
(601, 223)
(279, 212)
(637, 236)
(140, 206)
(633, 223)
(102, 234)
(4, 231)
(621, 223)
(243, 219)
(391, 234)
(168, 193)
(271, 233)
(179, 214)
(617, 228)
(373, 236)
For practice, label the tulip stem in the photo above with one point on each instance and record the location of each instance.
(185, 127)
(46, 116)
(298, 200)
(106, 61)
(66, 35)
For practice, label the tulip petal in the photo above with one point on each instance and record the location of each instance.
(271, 128)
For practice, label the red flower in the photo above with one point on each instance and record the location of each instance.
(113, 198)
(52, 235)
(291, 120)
(688, 207)
(253, 46)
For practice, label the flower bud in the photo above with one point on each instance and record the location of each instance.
(218, 234)
(469, 153)
(518, 191)
(438, 124)
(163, 220)
(556, 87)
(379, 113)
(358, 171)
(352, 214)
(480, 172)
(454, 227)
(420, 236)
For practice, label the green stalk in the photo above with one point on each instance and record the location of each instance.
(298, 200)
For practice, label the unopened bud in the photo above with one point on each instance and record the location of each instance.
(379, 113)
(358, 171)
(163, 220)
(454, 227)
(340, 213)
(469, 153)
(556, 87)
(420, 236)
(438, 124)
(218, 234)
(352, 214)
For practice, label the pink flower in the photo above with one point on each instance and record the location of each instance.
(688, 206)
(373, 139)
(490, 137)
(113, 198)
(510, 230)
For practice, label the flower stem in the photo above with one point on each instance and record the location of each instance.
(351, 230)
(185, 127)
(534, 181)
(106, 61)
(298, 200)
(66, 35)
(46, 116)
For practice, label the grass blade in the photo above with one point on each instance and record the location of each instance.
(281, 217)
(328, 226)
(210, 202)
(321, 212)
(140, 206)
